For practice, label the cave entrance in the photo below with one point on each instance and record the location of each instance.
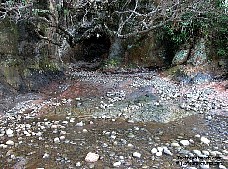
(96, 47)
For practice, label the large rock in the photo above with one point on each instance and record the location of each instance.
(145, 52)
(198, 53)
(181, 57)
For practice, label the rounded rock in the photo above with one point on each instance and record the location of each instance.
(136, 154)
(91, 157)
(175, 144)
(117, 164)
(56, 140)
(184, 142)
(159, 153)
(204, 140)
(10, 143)
(154, 151)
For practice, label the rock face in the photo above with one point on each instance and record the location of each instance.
(145, 52)
(26, 61)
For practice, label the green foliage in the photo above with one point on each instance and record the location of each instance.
(220, 35)
(212, 26)
(112, 63)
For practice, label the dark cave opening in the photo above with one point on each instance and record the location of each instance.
(96, 47)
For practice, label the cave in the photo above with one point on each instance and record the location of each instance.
(96, 47)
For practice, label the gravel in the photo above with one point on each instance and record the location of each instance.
(123, 127)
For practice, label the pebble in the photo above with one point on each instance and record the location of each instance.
(10, 143)
(56, 140)
(167, 151)
(72, 120)
(79, 124)
(184, 142)
(117, 164)
(91, 157)
(54, 126)
(3, 146)
(154, 151)
(130, 145)
(62, 137)
(159, 153)
(78, 164)
(209, 117)
(160, 149)
(175, 144)
(197, 136)
(9, 132)
(62, 132)
(46, 155)
(131, 135)
(136, 154)
(204, 140)
(197, 152)
(85, 131)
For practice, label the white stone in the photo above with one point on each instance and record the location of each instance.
(130, 145)
(197, 152)
(175, 144)
(91, 157)
(204, 140)
(159, 153)
(85, 131)
(54, 126)
(160, 149)
(9, 132)
(39, 134)
(209, 117)
(72, 120)
(46, 155)
(154, 150)
(78, 164)
(184, 142)
(10, 142)
(63, 132)
(62, 137)
(3, 146)
(117, 164)
(197, 136)
(65, 122)
(136, 154)
(167, 151)
(56, 140)
(79, 124)
(191, 141)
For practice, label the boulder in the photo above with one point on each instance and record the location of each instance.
(198, 53)
(181, 57)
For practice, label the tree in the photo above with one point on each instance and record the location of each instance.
(76, 20)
